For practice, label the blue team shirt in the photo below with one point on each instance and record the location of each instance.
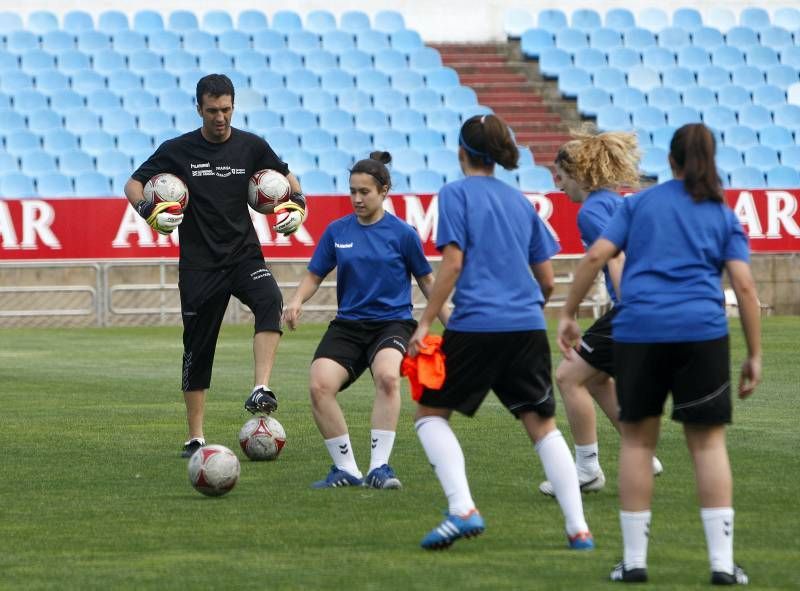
(593, 217)
(675, 251)
(373, 265)
(501, 235)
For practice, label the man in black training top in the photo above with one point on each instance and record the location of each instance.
(220, 254)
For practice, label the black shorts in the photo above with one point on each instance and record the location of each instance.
(353, 344)
(697, 374)
(516, 365)
(597, 344)
(204, 299)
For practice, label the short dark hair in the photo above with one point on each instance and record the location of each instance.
(214, 85)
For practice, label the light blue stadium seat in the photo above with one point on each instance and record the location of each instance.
(443, 120)
(388, 21)
(658, 58)
(648, 118)
(354, 61)
(5, 100)
(534, 179)
(50, 81)
(179, 61)
(790, 156)
(66, 100)
(425, 140)
(708, 38)
(390, 140)
(591, 100)
(586, 19)
(683, 115)
(370, 80)
(338, 42)
(747, 177)
(728, 158)
(268, 41)
(300, 120)
(754, 116)
(54, 184)
(148, 21)
(783, 177)
(320, 21)
(9, 62)
(251, 21)
(285, 60)
(353, 141)
(624, 58)
(115, 121)
(643, 78)
(37, 60)
(163, 135)
(441, 78)
(713, 77)
(721, 17)
(620, 19)
(605, 39)
(571, 81)
(300, 161)
(733, 96)
(138, 100)
(769, 96)
(59, 141)
(776, 38)
(233, 42)
(198, 42)
(372, 120)
(27, 101)
(77, 21)
(265, 81)
(44, 120)
(334, 119)
(13, 80)
(318, 100)
(788, 116)
(407, 120)
(96, 142)
(425, 181)
(698, 97)
(425, 100)
(259, 121)
(406, 41)
(372, 41)
(57, 42)
(215, 60)
(787, 17)
(516, 21)
(473, 111)
(399, 183)
(571, 40)
(761, 157)
(301, 80)
(390, 61)
(553, 61)
(72, 61)
(790, 56)
(590, 59)
(75, 163)
(719, 117)
(217, 22)
(128, 42)
(653, 19)
(782, 76)
(334, 161)
(164, 42)
(282, 100)
(459, 97)
(353, 100)
(551, 19)
(727, 57)
(286, 21)
(687, 18)
(111, 21)
(133, 141)
(662, 137)
(775, 136)
(664, 97)
(20, 41)
(17, 185)
(407, 160)
(754, 17)
(318, 182)
(81, 121)
(186, 121)
(761, 56)
(444, 159)
(740, 137)
(609, 79)
(107, 60)
(638, 38)
(302, 41)
(93, 41)
(320, 61)
(92, 184)
(36, 162)
(407, 81)
(248, 100)
(424, 59)
(342, 180)
(388, 100)
(283, 140)
(653, 161)
(741, 37)
(353, 21)
(613, 118)
(145, 62)
(673, 38)
(534, 41)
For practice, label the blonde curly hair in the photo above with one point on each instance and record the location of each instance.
(604, 160)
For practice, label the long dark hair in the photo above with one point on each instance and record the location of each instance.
(692, 151)
(375, 166)
(486, 139)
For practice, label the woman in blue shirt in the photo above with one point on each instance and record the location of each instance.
(671, 334)
(374, 254)
(496, 254)
(589, 168)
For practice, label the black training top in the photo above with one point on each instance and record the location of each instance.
(216, 229)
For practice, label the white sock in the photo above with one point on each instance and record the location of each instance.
(445, 455)
(342, 454)
(560, 470)
(265, 386)
(382, 443)
(635, 535)
(718, 524)
(587, 459)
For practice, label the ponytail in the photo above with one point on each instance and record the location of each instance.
(692, 152)
(606, 160)
(375, 166)
(487, 139)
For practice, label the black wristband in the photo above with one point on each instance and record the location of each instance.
(144, 208)
(298, 198)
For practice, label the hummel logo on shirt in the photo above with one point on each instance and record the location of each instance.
(343, 244)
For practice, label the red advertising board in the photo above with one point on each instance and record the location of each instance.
(102, 229)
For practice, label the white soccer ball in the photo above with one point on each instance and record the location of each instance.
(165, 187)
(213, 470)
(268, 188)
(262, 438)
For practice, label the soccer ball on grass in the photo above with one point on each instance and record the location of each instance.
(213, 470)
(262, 438)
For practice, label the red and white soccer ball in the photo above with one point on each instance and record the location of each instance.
(213, 470)
(262, 438)
(166, 187)
(268, 188)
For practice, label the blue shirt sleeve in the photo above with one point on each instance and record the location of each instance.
(414, 256)
(452, 227)
(591, 223)
(543, 246)
(323, 260)
(737, 247)
(618, 227)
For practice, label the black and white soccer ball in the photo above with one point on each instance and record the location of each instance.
(213, 470)
(262, 438)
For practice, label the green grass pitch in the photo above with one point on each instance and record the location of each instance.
(94, 495)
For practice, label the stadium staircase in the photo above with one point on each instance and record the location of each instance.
(512, 86)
